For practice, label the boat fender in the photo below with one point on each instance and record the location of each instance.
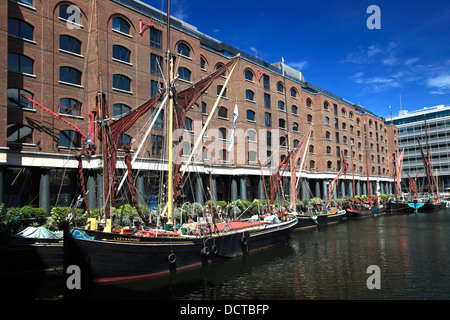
(205, 251)
(172, 258)
(244, 240)
(214, 249)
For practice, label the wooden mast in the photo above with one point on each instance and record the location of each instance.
(170, 127)
(367, 162)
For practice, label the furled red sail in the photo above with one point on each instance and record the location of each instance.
(184, 101)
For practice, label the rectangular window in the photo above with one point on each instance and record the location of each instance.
(268, 120)
(157, 145)
(156, 64)
(155, 38)
(266, 100)
(160, 120)
(155, 87)
(266, 81)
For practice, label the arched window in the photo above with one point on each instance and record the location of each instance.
(66, 12)
(218, 66)
(280, 105)
(223, 133)
(251, 115)
(202, 63)
(280, 87)
(69, 44)
(219, 89)
(293, 93)
(325, 105)
(294, 109)
(19, 133)
(121, 25)
(295, 126)
(328, 150)
(184, 73)
(296, 143)
(282, 123)
(69, 106)
(248, 75)
(120, 109)
(223, 112)
(327, 120)
(311, 149)
(20, 29)
(308, 103)
(121, 53)
(69, 75)
(283, 141)
(20, 63)
(350, 115)
(16, 100)
(343, 112)
(251, 136)
(328, 135)
(249, 95)
(69, 139)
(312, 165)
(309, 118)
(329, 165)
(121, 82)
(123, 139)
(183, 49)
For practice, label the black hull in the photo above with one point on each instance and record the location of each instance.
(20, 256)
(363, 212)
(306, 222)
(311, 221)
(398, 207)
(113, 258)
(335, 217)
(431, 206)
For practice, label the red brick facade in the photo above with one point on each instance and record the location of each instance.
(98, 36)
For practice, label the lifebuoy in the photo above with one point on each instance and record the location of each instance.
(244, 239)
(205, 251)
(214, 249)
(172, 258)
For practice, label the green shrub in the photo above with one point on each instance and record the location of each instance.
(27, 216)
(57, 216)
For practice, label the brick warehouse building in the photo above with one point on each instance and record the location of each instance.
(55, 58)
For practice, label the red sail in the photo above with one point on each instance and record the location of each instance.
(184, 101)
(276, 177)
(116, 129)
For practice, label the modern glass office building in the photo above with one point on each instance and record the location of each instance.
(419, 129)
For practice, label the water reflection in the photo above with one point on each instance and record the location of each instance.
(330, 262)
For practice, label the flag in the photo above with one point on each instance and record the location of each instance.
(89, 141)
(236, 116)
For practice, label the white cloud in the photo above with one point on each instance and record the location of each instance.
(440, 84)
(376, 84)
(299, 65)
(372, 54)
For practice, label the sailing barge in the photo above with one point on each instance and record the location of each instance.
(107, 256)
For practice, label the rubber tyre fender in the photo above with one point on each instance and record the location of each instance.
(172, 258)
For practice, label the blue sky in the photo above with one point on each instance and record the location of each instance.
(409, 57)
